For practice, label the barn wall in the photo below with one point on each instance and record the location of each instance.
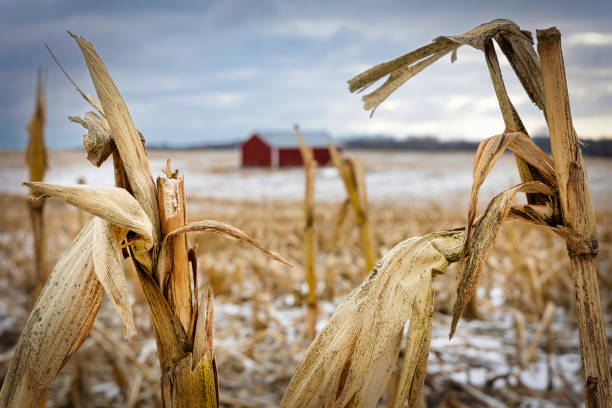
(256, 152)
(293, 157)
(289, 157)
(321, 155)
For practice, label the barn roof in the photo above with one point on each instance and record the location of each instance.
(287, 139)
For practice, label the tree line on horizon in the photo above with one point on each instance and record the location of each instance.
(590, 147)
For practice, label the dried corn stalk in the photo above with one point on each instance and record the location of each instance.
(351, 173)
(557, 191)
(126, 215)
(350, 360)
(310, 171)
(172, 213)
(36, 159)
(579, 217)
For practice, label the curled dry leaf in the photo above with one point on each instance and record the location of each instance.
(482, 240)
(490, 150)
(113, 204)
(108, 266)
(98, 141)
(223, 229)
(59, 323)
(350, 360)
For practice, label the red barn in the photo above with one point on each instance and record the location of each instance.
(280, 149)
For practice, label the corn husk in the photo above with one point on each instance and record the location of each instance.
(113, 204)
(58, 325)
(350, 360)
(108, 266)
(98, 141)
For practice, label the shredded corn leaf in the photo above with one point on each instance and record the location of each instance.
(517, 47)
(351, 358)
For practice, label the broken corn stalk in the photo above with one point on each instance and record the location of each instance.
(351, 173)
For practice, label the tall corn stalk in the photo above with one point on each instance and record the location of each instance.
(310, 171)
(36, 159)
(557, 190)
(579, 216)
(153, 230)
(351, 173)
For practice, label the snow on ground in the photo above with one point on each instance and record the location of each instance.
(409, 178)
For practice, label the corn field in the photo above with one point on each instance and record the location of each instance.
(358, 302)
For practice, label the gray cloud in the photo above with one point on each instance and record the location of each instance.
(213, 71)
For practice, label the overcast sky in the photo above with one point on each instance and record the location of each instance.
(214, 71)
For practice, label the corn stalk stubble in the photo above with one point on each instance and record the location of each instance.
(36, 159)
(310, 171)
